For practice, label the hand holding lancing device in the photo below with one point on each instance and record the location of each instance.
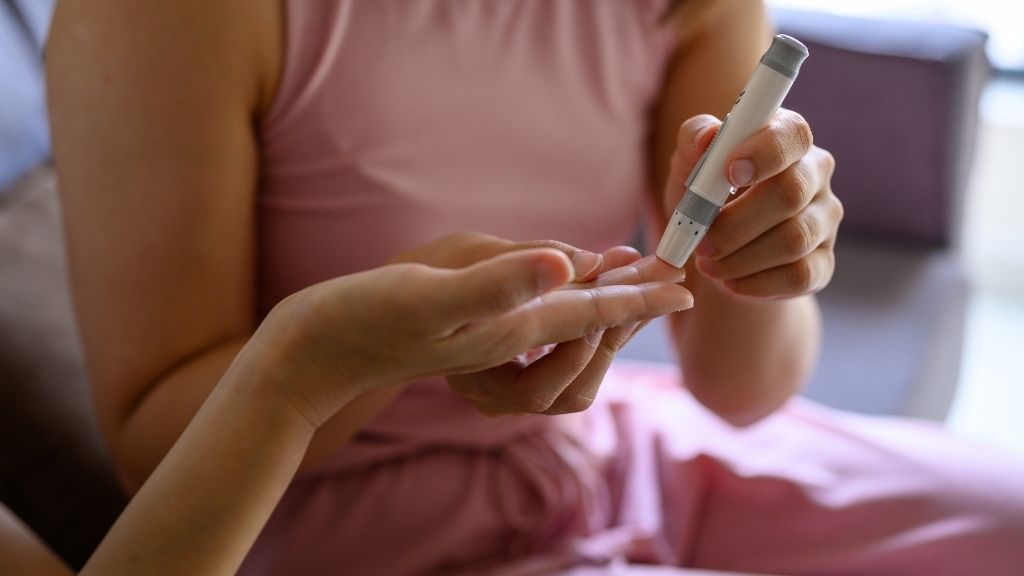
(465, 307)
(776, 237)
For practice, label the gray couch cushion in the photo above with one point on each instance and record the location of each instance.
(894, 323)
(54, 470)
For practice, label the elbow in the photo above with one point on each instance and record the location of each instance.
(739, 413)
(739, 400)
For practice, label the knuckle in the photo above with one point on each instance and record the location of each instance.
(421, 278)
(793, 130)
(802, 131)
(534, 404)
(572, 404)
(597, 313)
(836, 205)
(793, 190)
(775, 155)
(614, 340)
(828, 162)
(799, 276)
(830, 260)
(799, 236)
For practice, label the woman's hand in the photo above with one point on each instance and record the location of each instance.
(335, 340)
(562, 378)
(775, 239)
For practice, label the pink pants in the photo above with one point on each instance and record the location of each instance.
(648, 477)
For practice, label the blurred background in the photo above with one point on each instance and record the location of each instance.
(989, 400)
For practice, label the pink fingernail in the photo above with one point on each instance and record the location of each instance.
(585, 263)
(705, 248)
(741, 173)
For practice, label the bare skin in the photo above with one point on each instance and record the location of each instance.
(150, 152)
(205, 504)
(749, 344)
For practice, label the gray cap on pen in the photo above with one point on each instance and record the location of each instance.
(785, 55)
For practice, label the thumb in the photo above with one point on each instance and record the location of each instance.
(502, 283)
(693, 138)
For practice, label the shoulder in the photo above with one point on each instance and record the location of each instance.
(694, 18)
(227, 45)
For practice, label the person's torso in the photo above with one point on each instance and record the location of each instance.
(399, 122)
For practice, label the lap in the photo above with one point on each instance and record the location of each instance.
(814, 490)
(648, 482)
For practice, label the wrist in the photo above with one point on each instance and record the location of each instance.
(283, 363)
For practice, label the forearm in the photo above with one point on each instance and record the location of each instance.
(205, 504)
(157, 420)
(744, 358)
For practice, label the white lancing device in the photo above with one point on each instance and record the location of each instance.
(707, 188)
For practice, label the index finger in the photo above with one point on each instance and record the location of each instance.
(647, 269)
(566, 315)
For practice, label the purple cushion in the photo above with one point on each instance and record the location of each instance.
(896, 103)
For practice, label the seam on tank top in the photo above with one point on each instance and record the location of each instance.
(297, 86)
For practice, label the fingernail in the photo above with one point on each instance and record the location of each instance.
(705, 248)
(585, 262)
(594, 338)
(741, 172)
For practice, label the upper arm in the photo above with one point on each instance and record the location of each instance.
(720, 42)
(153, 107)
(719, 45)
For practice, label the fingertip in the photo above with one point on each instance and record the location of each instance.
(554, 269)
(656, 269)
(666, 298)
(586, 265)
(698, 130)
(685, 297)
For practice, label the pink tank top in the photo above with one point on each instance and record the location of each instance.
(399, 122)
